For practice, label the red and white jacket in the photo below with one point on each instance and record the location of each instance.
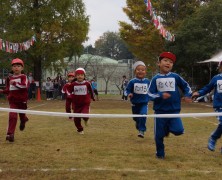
(66, 90)
(82, 93)
(17, 88)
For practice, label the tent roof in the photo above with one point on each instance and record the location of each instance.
(216, 58)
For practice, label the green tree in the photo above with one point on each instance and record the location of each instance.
(141, 36)
(60, 28)
(143, 39)
(111, 45)
(198, 38)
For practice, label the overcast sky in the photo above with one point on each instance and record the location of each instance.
(104, 16)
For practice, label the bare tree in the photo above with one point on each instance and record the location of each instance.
(117, 78)
(106, 73)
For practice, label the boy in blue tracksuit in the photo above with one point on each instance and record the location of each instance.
(164, 89)
(216, 85)
(137, 91)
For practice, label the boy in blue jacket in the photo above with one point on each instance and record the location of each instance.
(216, 85)
(137, 91)
(164, 89)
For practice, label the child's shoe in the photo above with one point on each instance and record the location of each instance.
(211, 144)
(160, 157)
(81, 132)
(10, 137)
(22, 124)
(141, 134)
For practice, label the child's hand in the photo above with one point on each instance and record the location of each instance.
(166, 95)
(195, 95)
(187, 99)
(130, 95)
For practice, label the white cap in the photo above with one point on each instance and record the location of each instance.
(80, 71)
(138, 63)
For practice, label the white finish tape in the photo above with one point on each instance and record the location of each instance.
(62, 114)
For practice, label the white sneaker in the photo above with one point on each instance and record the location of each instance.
(141, 134)
(81, 132)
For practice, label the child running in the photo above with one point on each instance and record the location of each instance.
(215, 84)
(68, 95)
(164, 89)
(137, 91)
(82, 95)
(17, 93)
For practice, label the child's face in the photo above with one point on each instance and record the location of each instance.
(140, 72)
(165, 65)
(80, 77)
(70, 78)
(17, 69)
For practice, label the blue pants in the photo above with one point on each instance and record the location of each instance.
(142, 109)
(162, 127)
(217, 133)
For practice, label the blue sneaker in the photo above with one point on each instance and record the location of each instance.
(211, 144)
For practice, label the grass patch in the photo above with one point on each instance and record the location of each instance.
(50, 148)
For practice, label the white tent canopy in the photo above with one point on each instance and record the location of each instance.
(216, 58)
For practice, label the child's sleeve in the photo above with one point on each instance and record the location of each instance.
(208, 88)
(185, 87)
(69, 88)
(129, 88)
(64, 88)
(152, 90)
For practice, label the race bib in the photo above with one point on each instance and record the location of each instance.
(165, 84)
(80, 90)
(219, 86)
(140, 88)
(12, 87)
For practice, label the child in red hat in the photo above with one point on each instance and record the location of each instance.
(17, 93)
(68, 95)
(165, 90)
(82, 95)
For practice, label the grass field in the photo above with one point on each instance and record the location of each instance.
(50, 147)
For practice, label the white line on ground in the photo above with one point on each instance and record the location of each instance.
(205, 120)
(37, 106)
(109, 169)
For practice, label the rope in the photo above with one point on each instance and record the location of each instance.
(62, 114)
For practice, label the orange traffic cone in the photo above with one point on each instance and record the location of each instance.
(38, 95)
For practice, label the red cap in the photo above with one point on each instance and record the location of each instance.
(168, 55)
(17, 61)
(80, 71)
(71, 74)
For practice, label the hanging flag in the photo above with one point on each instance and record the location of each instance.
(157, 22)
(11, 47)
